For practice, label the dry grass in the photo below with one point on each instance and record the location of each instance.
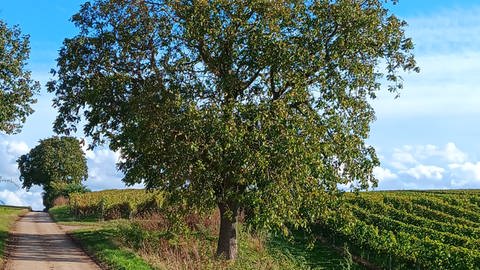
(165, 244)
(154, 239)
(185, 254)
(161, 245)
(59, 201)
(257, 244)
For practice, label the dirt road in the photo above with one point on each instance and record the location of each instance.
(40, 245)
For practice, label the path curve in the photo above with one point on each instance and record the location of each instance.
(39, 244)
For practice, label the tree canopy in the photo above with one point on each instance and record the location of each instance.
(258, 105)
(57, 164)
(16, 86)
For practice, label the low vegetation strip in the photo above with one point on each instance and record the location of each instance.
(8, 215)
(96, 239)
(393, 230)
(98, 243)
(148, 234)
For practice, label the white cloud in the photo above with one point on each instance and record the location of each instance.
(453, 154)
(402, 157)
(10, 198)
(411, 165)
(425, 171)
(89, 154)
(102, 170)
(10, 151)
(446, 85)
(446, 50)
(467, 170)
(449, 152)
(408, 155)
(22, 198)
(11, 193)
(384, 174)
(16, 148)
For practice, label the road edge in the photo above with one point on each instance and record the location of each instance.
(9, 247)
(79, 244)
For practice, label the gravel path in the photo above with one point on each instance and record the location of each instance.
(39, 244)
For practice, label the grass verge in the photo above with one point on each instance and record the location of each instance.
(317, 256)
(8, 215)
(98, 242)
(151, 244)
(97, 239)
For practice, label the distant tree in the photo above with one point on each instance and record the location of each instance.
(61, 189)
(58, 164)
(258, 104)
(16, 86)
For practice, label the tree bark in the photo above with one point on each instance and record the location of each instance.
(227, 240)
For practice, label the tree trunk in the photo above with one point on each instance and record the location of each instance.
(227, 240)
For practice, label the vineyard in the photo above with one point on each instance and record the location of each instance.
(410, 230)
(113, 204)
(392, 230)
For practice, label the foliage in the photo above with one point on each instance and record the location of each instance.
(315, 255)
(348, 261)
(240, 104)
(404, 230)
(16, 86)
(62, 189)
(58, 164)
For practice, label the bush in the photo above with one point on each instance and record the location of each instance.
(61, 189)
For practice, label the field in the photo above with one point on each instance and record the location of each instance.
(410, 230)
(114, 204)
(7, 217)
(389, 230)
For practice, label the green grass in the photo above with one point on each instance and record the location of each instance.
(63, 215)
(251, 257)
(8, 215)
(96, 238)
(112, 244)
(98, 242)
(165, 249)
(318, 256)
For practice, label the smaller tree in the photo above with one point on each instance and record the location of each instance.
(16, 86)
(58, 164)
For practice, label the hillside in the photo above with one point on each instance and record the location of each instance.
(410, 229)
(389, 230)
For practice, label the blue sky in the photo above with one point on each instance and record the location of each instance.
(428, 138)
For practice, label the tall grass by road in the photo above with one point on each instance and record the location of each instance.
(150, 243)
(8, 215)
